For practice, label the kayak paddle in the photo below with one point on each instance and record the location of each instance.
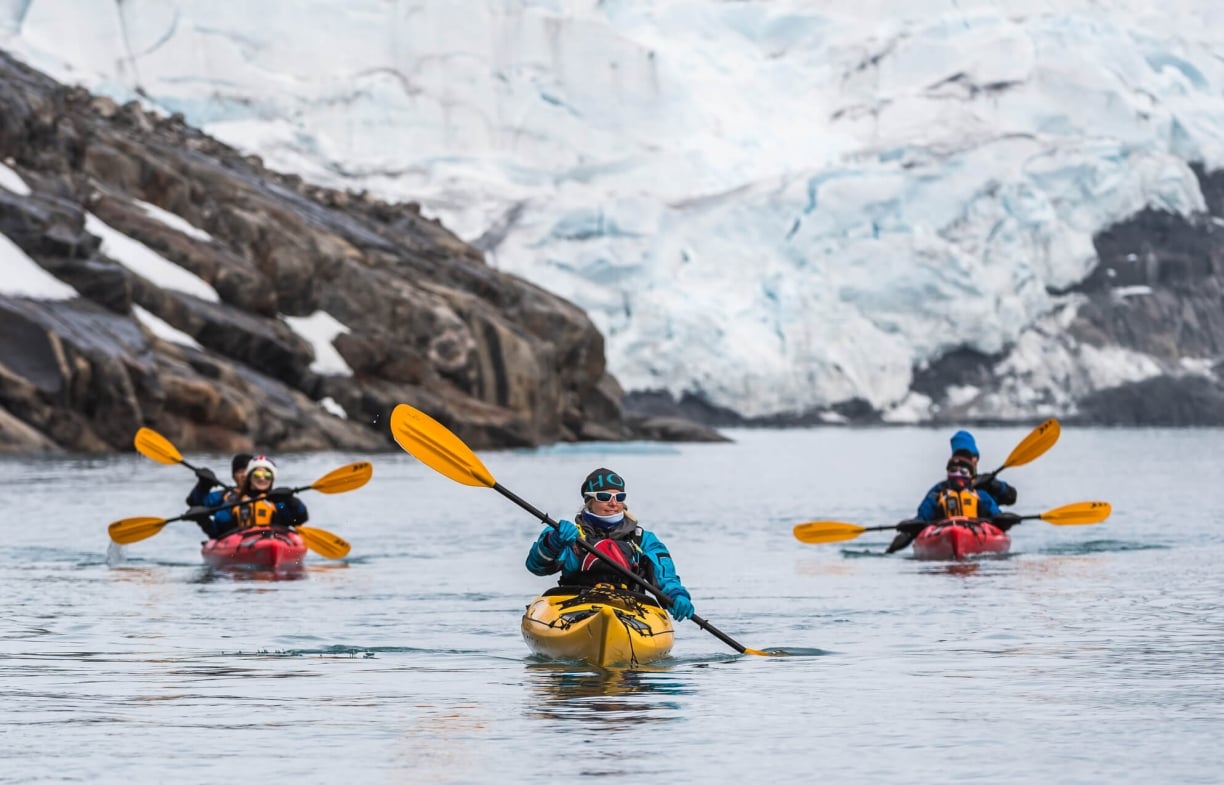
(438, 448)
(1077, 514)
(325, 543)
(1029, 449)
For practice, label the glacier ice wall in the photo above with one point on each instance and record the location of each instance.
(771, 207)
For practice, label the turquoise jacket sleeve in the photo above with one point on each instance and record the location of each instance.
(543, 558)
(665, 576)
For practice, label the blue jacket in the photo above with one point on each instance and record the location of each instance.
(547, 558)
(929, 510)
(290, 512)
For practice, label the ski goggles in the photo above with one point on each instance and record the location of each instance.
(261, 474)
(605, 496)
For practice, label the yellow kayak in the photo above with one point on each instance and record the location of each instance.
(603, 626)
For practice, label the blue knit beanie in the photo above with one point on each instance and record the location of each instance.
(962, 441)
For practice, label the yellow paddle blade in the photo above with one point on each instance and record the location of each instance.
(156, 447)
(1077, 514)
(1035, 444)
(324, 543)
(130, 530)
(817, 532)
(346, 478)
(431, 443)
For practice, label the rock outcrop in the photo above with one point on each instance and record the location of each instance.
(423, 319)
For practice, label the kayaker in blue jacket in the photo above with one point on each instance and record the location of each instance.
(202, 495)
(605, 522)
(955, 497)
(268, 507)
(963, 444)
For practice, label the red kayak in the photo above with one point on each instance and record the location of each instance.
(264, 547)
(960, 538)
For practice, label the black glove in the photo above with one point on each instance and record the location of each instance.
(1000, 491)
(207, 476)
(280, 495)
(1005, 521)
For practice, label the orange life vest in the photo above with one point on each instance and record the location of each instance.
(256, 513)
(958, 504)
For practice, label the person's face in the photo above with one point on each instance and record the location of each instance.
(261, 479)
(239, 476)
(958, 477)
(605, 502)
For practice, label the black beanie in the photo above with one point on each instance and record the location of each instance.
(602, 480)
(240, 461)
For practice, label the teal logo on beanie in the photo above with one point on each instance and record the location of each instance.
(602, 480)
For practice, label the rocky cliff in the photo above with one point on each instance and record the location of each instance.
(422, 318)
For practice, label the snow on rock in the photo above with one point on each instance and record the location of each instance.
(12, 181)
(319, 330)
(163, 329)
(144, 261)
(21, 276)
(173, 221)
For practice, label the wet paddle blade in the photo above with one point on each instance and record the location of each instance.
(324, 543)
(156, 447)
(817, 532)
(432, 443)
(1035, 444)
(346, 478)
(130, 530)
(1078, 514)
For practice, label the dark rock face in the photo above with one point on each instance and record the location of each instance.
(500, 361)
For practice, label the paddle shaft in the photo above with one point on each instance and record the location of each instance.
(665, 600)
(194, 511)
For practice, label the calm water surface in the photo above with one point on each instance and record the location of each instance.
(1091, 654)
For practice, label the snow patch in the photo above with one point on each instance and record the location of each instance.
(319, 330)
(163, 329)
(13, 182)
(146, 262)
(24, 277)
(173, 221)
(332, 407)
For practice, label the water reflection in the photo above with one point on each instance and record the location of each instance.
(607, 699)
(242, 574)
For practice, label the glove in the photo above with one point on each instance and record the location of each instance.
(206, 475)
(681, 608)
(1005, 520)
(566, 534)
(1004, 494)
(280, 495)
(902, 539)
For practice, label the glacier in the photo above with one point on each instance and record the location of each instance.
(770, 206)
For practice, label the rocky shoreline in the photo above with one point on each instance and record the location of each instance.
(423, 319)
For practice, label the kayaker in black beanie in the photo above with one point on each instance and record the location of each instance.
(207, 480)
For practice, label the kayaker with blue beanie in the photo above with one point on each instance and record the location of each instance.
(963, 444)
(605, 522)
(955, 497)
(965, 456)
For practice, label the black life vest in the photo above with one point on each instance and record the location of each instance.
(622, 544)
